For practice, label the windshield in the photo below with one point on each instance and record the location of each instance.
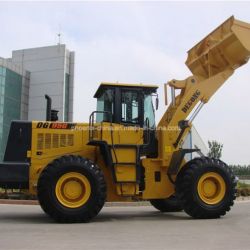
(105, 103)
(149, 111)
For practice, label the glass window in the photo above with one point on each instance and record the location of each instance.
(130, 110)
(13, 86)
(149, 111)
(2, 71)
(10, 104)
(2, 80)
(1, 100)
(105, 103)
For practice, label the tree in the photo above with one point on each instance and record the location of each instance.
(215, 149)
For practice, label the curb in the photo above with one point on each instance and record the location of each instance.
(243, 198)
(107, 204)
(18, 202)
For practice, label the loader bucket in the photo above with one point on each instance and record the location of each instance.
(226, 47)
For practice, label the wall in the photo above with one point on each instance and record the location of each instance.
(48, 67)
(10, 103)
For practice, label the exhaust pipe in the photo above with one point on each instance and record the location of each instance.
(48, 108)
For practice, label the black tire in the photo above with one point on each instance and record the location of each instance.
(46, 189)
(171, 204)
(187, 188)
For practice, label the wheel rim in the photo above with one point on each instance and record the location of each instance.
(211, 188)
(73, 190)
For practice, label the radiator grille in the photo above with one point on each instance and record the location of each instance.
(63, 140)
(49, 141)
(55, 141)
(70, 140)
(40, 141)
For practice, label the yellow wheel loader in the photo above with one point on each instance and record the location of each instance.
(121, 154)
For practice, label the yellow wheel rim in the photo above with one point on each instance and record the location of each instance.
(211, 188)
(73, 190)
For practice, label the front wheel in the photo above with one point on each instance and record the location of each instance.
(206, 187)
(71, 189)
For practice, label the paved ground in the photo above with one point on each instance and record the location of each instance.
(26, 227)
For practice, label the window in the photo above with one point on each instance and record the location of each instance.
(2, 71)
(149, 111)
(105, 103)
(130, 110)
(10, 103)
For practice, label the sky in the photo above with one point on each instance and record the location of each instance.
(137, 42)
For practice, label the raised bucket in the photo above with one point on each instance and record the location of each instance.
(228, 46)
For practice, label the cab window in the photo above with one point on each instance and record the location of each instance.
(105, 103)
(130, 107)
(149, 111)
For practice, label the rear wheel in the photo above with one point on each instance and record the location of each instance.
(71, 189)
(207, 188)
(171, 204)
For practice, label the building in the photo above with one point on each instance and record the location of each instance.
(14, 98)
(26, 77)
(51, 72)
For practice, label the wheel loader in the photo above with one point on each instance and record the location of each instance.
(121, 154)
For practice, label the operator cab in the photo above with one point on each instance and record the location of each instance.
(127, 104)
(130, 105)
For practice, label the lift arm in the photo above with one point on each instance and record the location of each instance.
(212, 61)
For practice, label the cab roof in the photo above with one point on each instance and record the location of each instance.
(104, 85)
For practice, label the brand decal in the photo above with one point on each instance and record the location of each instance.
(191, 101)
(55, 125)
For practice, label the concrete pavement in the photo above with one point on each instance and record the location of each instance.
(27, 227)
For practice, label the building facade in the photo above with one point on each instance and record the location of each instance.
(14, 97)
(51, 72)
(26, 77)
